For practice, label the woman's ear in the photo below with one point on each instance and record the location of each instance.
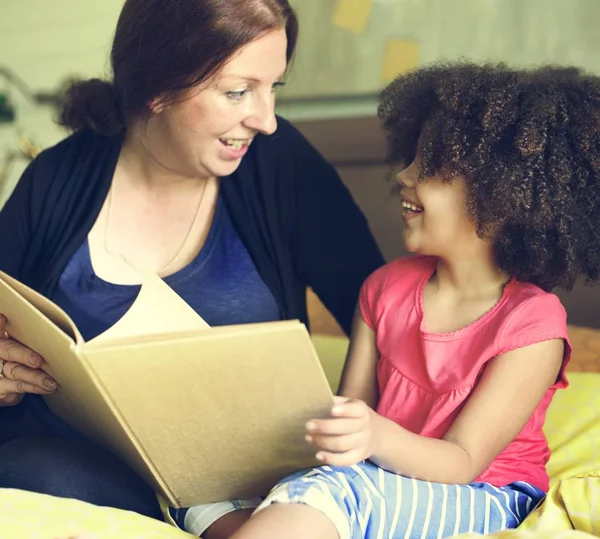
(157, 105)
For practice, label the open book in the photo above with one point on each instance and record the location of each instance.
(203, 414)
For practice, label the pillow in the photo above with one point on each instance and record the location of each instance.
(25, 515)
(573, 427)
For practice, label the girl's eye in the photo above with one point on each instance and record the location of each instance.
(236, 95)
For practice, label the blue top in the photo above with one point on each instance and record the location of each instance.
(221, 284)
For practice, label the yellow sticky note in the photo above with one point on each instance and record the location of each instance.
(352, 15)
(400, 56)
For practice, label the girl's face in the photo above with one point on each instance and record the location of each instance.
(436, 221)
(207, 133)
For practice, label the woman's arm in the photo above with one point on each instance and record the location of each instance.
(334, 248)
(20, 366)
(15, 224)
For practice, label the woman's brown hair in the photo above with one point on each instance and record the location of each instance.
(162, 47)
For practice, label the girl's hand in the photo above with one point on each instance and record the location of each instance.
(350, 436)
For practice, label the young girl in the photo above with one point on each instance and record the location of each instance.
(456, 353)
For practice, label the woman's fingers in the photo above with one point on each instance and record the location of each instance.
(20, 370)
(10, 399)
(17, 379)
(15, 352)
(13, 391)
(27, 378)
(18, 386)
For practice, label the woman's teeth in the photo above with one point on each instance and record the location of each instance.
(411, 207)
(234, 143)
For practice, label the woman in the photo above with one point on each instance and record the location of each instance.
(178, 166)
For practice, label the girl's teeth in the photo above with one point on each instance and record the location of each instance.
(411, 207)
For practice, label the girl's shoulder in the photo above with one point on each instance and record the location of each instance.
(530, 315)
(394, 286)
(528, 300)
(402, 272)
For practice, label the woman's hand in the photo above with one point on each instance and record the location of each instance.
(349, 437)
(20, 370)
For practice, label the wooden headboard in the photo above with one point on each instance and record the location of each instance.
(585, 341)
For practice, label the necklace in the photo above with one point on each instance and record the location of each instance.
(177, 253)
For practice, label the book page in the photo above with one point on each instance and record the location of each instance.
(156, 310)
(42, 305)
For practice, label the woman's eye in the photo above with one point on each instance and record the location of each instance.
(278, 85)
(236, 95)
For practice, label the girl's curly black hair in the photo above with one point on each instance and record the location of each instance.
(527, 143)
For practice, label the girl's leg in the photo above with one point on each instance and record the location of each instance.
(215, 520)
(367, 502)
(292, 521)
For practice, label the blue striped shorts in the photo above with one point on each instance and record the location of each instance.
(367, 502)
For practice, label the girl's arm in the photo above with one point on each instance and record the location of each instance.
(504, 399)
(359, 377)
(506, 396)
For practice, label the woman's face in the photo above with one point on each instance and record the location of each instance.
(207, 133)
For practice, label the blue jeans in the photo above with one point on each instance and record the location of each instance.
(43, 454)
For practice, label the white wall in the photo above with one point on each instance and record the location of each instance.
(45, 41)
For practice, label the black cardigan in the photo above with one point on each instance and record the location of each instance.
(296, 218)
